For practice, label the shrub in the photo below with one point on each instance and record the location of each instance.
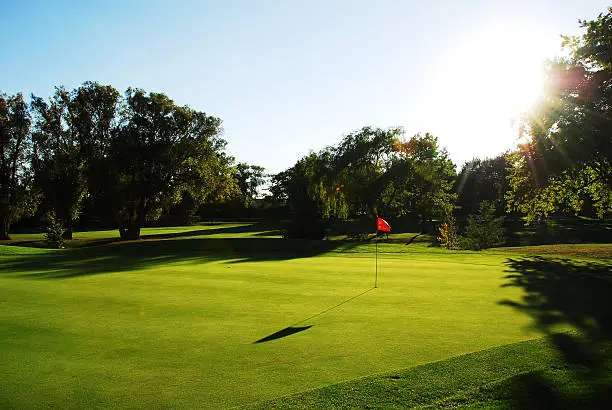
(484, 229)
(55, 231)
(448, 233)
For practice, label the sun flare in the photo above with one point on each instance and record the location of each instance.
(499, 71)
(484, 85)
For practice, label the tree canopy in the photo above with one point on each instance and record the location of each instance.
(73, 131)
(127, 158)
(482, 180)
(370, 172)
(162, 150)
(93, 155)
(566, 161)
(17, 198)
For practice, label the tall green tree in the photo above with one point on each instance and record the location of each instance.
(306, 188)
(17, 198)
(566, 162)
(482, 180)
(361, 163)
(72, 135)
(162, 150)
(347, 179)
(370, 171)
(249, 179)
(422, 182)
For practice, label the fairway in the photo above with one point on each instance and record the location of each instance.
(201, 319)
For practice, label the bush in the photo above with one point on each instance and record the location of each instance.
(483, 229)
(55, 232)
(448, 233)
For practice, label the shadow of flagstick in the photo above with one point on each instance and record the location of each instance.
(294, 328)
(333, 307)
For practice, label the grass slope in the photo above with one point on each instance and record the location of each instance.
(174, 320)
(529, 374)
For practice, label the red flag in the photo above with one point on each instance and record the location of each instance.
(382, 225)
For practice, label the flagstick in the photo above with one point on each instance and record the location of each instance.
(376, 280)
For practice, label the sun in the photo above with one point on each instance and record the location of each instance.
(484, 85)
(499, 70)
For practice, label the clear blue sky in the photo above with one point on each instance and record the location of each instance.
(288, 76)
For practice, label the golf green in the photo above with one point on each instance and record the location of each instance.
(213, 322)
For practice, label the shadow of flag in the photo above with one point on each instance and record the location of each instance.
(288, 331)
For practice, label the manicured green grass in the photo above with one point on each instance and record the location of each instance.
(528, 374)
(173, 320)
(588, 250)
(213, 230)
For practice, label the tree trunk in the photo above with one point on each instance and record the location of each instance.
(67, 222)
(5, 214)
(424, 223)
(4, 229)
(129, 234)
(67, 234)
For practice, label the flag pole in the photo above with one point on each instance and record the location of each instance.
(376, 280)
(381, 226)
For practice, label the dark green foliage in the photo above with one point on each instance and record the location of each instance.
(55, 232)
(371, 171)
(184, 213)
(308, 196)
(482, 180)
(360, 167)
(17, 198)
(72, 136)
(558, 230)
(484, 229)
(420, 182)
(305, 229)
(162, 150)
(127, 160)
(566, 164)
(249, 178)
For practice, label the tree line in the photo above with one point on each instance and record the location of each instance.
(563, 162)
(130, 159)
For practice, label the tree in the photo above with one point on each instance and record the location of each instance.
(337, 182)
(249, 178)
(306, 189)
(162, 150)
(72, 135)
(361, 165)
(17, 199)
(422, 180)
(566, 163)
(370, 171)
(55, 232)
(482, 180)
(484, 229)
(448, 235)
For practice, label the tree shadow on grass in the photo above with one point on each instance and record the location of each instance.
(563, 292)
(413, 238)
(255, 228)
(129, 256)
